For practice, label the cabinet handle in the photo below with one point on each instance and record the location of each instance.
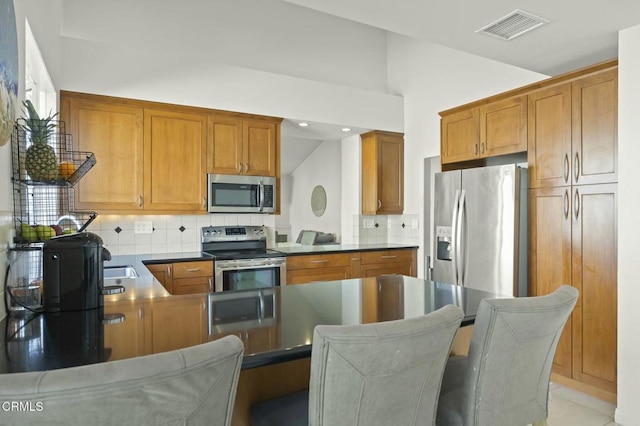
(140, 200)
(576, 200)
(388, 257)
(169, 271)
(566, 167)
(379, 204)
(210, 282)
(192, 269)
(565, 203)
(482, 148)
(239, 168)
(318, 261)
(246, 168)
(475, 149)
(204, 202)
(576, 165)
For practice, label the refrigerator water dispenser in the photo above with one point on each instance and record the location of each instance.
(443, 243)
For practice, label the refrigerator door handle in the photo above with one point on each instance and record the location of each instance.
(454, 232)
(459, 246)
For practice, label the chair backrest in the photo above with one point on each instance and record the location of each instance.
(506, 381)
(195, 386)
(386, 373)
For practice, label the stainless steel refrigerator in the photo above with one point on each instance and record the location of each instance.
(480, 229)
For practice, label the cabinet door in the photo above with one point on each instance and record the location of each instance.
(259, 148)
(595, 276)
(460, 136)
(390, 174)
(178, 325)
(595, 124)
(549, 134)
(224, 145)
(174, 161)
(114, 133)
(550, 255)
(503, 127)
(127, 338)
(162, 272)
(303, 276)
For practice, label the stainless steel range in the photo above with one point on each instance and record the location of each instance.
(242, 260)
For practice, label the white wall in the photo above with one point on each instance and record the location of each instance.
(432, 78)
(322, 167)
(351, 188)
(628, 411)
(45, 17)
(264, 57)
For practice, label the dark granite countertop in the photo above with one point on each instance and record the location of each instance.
(134, 326)
(294, 249)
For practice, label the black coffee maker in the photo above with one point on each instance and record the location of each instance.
(73, 273)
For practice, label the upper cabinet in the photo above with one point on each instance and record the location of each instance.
(154, 157)
(495, 128)
(114, 132)
(382, 173)
(242, 146)
(174, 161)
(573, 132)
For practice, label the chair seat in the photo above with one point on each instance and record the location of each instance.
(288, 410)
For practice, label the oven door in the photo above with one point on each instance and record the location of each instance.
(244, 274)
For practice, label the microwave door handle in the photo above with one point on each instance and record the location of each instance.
(260, 306)
(261, 196)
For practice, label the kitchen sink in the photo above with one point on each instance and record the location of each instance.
(125, 271)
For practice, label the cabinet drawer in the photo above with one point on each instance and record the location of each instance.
(193, 269)
(387, 256)
(192, 285)
(319, 261)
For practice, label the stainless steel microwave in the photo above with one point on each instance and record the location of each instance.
(241, 194)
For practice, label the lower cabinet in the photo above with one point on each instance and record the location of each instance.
(255, 339)
(184, 277)
(340, 266)
(125, 333)
(572, 240)
(177, 325)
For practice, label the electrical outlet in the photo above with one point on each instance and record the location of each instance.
(143, 227)
(368, 223)
(414, 223)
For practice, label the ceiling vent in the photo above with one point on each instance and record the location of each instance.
(513, 25)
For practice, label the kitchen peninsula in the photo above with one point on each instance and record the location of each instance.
(276, 343)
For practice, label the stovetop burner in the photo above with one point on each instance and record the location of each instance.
(236, 242)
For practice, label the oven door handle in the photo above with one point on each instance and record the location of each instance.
(225, 265)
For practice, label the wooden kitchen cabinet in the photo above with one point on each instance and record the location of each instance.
(550, 255)
(495, 128)
(573, 240)
(318, 267)
(242, 146)
(175, 150)
(595, 128)
(184, 277)
(152, 158)
(382, 173)
(168, 322)
(326, 267)
(594, 274)
(114, 133)
(382, 301)
(573, 132)
(126, 331)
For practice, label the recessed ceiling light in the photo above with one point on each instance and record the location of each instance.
(303, 124)
(346, 129)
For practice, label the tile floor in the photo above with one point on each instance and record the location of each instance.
(570, 408)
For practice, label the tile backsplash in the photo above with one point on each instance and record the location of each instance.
(171, 234)
(397, 229)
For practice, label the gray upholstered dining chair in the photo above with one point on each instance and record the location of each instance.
(504, 380)
(191, 386)
(385, 373)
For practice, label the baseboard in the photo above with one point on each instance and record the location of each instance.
(593, 391)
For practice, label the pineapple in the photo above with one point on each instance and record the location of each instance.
(41, 160)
